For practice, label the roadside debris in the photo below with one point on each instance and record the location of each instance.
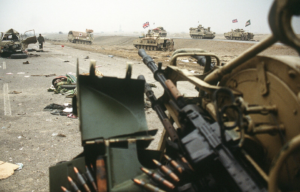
(54, 106)
(50, 75)
(72, 116)
(66, 61)
(33, 55)
(26, 62)
(20, 166)
(14, 92)
(61, 135)
(21, 73)
(111, 56)
(87, 57)
(64, 84)
(7, 169)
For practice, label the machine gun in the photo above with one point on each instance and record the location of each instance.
(205, 145)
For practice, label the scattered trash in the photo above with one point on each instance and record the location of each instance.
(7, 169)
(192, 71)
(87, 57)
(21, 73)
(50, 75)
(27, 76)
(54, 134)
(111, 56)
(19, 137)
(51, 89)
(3, 127)
(61, 135)
(66, 61)
(54, 106)
(72, 116)
(26, 62)
(33, 55)
(20, 166)
(68, 110)
(14, 92)
(185, 60)
(9, 73)
(21, 113)
(48, 119)
(21, 148)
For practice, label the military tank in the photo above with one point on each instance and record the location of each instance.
(161, 31)
(81, 37)
(152, 42)
(239, 34)
(201, 33)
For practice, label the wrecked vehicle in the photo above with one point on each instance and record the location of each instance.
(13, 44)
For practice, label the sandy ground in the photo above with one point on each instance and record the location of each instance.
(27, 134)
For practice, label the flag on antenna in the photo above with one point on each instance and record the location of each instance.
(248, 23)
(146, 25)
(234, 21)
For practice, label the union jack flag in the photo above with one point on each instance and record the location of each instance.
(146, 25)
(234, 21)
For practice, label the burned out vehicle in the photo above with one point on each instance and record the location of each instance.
(201, 33)
(160, 31)
(239, 34)
(78, 37)
(240, 132)
(13, 43)
(152, 42)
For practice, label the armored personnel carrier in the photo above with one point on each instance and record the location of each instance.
(81, 37)
(201, 33)
(239, 34)
(152, 41)
(161, 31)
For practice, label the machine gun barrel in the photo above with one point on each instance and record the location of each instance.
(160, 112)
(159, 76)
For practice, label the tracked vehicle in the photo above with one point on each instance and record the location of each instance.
(153, 42)
(239, 34)
(201, 33)
(160, 31)
(81, 37)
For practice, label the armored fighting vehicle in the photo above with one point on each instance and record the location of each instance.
(152, 41)
(81, 37)
(239, 34)
(161, 31)
(201, 33)
(13, 44)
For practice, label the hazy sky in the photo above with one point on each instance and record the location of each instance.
(110, 15)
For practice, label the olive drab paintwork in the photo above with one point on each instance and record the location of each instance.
(81, 37)
(201, 33)
(239, 34)
(152, 42)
